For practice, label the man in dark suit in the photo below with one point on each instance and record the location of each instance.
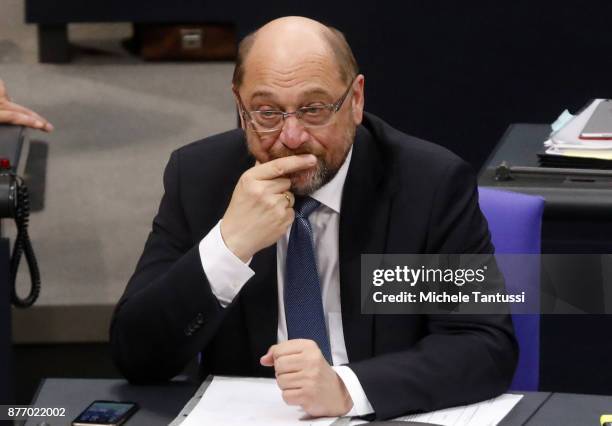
(254, 219)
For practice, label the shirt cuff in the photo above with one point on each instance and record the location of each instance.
(226, 273)
(361, 404)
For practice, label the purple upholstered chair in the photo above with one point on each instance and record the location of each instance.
(515, 222)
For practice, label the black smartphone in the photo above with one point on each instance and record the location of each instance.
(106, 413)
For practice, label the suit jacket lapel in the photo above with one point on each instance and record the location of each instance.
(363, 229)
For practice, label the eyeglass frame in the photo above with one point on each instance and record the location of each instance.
(333, 107)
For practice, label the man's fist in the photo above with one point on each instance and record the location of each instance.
(260, 210)
(306, 379)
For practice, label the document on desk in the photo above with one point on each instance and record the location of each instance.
(254, 401)
(485, 413)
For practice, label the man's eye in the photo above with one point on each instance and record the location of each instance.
(268, 113)
(312, 110)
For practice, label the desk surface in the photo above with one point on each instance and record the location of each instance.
(519, 145)
(160, 404)
(565, 197)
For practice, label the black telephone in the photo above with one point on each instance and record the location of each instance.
(15, 203)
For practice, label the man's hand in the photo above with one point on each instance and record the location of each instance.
(12, 113)
(306, 379)
(260, 211)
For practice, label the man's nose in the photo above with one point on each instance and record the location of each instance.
(293, 133)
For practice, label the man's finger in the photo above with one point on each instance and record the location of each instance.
(12, 106)
(290, 381)
(288, 364)
(21, 109)
(293, 396)
(19, 119)
(283, 166)
(16, 114)
(267, 360)
(277, 186)
(289, 347)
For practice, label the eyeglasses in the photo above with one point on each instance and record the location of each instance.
(312, 116)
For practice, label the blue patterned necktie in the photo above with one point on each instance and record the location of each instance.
(303, 303)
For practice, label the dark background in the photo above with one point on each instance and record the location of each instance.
(453, 72)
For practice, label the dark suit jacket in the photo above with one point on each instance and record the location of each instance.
(402, 195)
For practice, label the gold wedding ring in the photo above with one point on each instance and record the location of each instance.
(289, 199)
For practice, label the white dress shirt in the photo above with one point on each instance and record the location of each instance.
(227, 274)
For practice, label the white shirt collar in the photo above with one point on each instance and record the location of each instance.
(330, 194)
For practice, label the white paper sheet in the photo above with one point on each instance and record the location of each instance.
(485, 413)
(561, 121)
(237, 401)
(568, 135)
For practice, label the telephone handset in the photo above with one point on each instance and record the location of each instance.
(15, 203)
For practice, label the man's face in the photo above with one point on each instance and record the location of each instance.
(287, 84)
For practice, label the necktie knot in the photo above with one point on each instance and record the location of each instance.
(304, 206)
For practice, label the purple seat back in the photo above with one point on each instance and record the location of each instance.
(515, 223)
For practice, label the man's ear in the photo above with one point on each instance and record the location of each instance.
(238, 109)
(358, 100)
(240, 118)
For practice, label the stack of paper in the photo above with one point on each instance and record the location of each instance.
(564, 148)
(485, 413)
(239, 401)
